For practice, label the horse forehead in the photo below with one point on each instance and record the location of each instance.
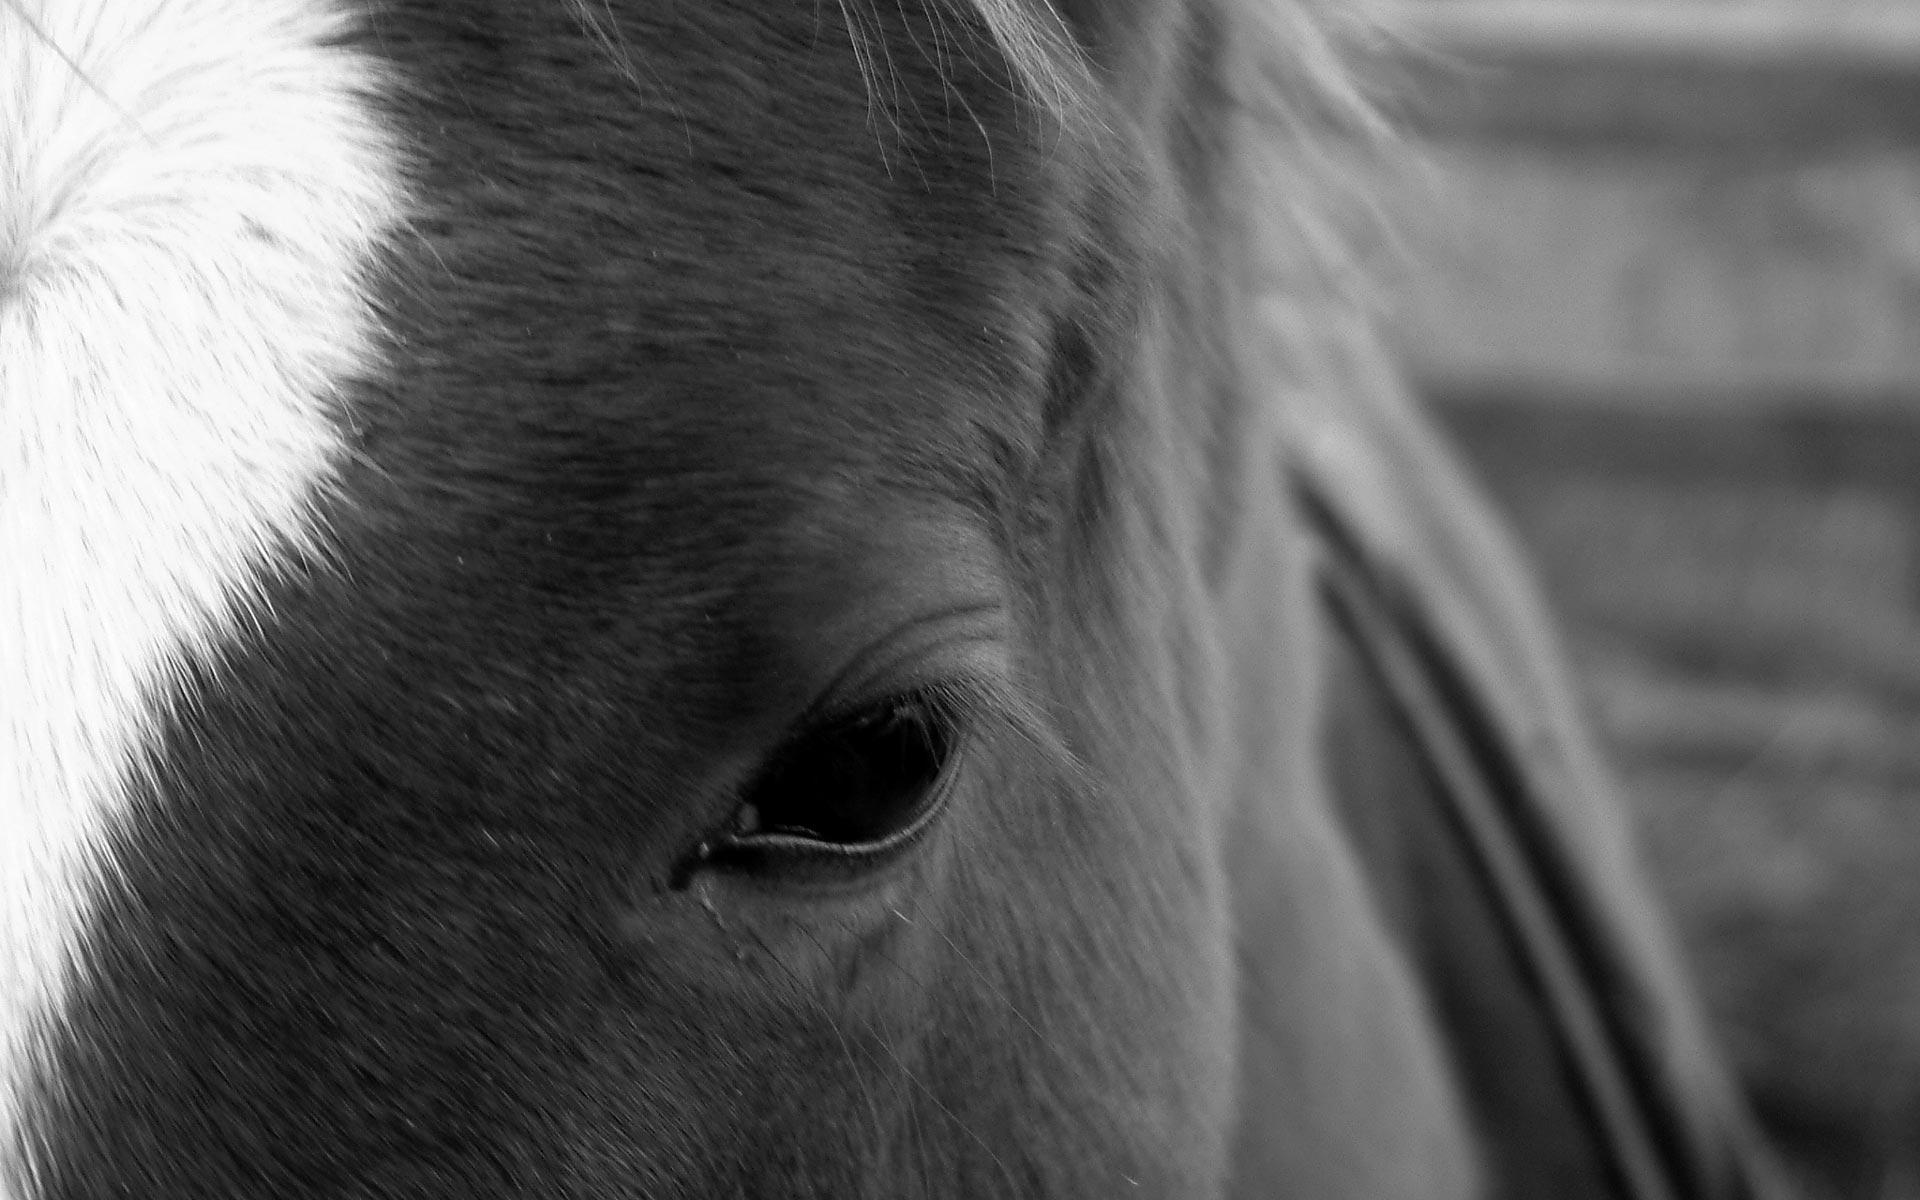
(213, 181)
(715, 263)
(192, 192)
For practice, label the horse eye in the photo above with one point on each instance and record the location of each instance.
(857, 787)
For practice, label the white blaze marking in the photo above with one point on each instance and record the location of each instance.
(189, 190)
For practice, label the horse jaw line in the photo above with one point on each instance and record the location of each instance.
(190, 193)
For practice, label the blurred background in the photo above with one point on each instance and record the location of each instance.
(1662, 282)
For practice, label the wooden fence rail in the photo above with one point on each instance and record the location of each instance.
(1664, 74)
(1683, 205)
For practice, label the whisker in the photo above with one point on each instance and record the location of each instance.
(908, 1074)
(979, 974)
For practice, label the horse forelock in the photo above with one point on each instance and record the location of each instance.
(189, 194)
(1039, 49)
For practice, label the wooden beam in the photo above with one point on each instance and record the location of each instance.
(1666, 74)
(1693, 280)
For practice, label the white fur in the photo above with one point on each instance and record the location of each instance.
(190, 191)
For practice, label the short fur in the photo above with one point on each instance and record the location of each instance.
(188, 193)
(741, 359)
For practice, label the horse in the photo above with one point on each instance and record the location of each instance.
(746, 598)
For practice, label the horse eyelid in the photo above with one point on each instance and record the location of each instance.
(929, 812)
(778, 850)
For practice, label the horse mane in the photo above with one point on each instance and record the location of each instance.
(1304, 53)
(1314, 142)
(1039, 50)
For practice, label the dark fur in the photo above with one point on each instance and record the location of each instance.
(725, 347)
